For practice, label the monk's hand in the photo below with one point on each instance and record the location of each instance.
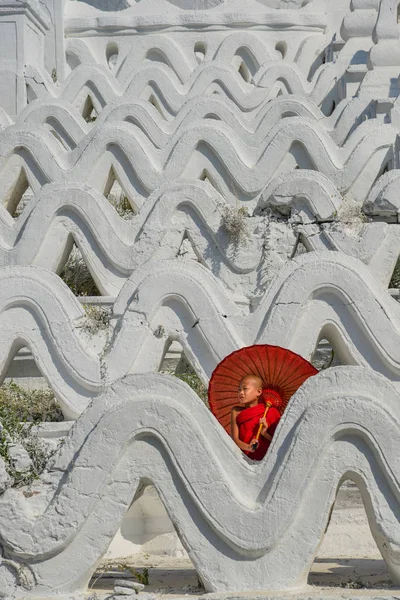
(264, 424)
(253, 445)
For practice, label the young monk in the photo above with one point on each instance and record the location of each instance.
(246, 418)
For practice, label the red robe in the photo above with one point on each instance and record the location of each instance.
(248, 421)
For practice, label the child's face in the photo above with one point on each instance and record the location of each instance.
(249, 391)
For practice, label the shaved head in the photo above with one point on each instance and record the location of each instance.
(258, 382)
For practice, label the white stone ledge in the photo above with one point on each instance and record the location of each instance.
(280, 19)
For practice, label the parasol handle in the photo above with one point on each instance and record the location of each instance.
(267, 407)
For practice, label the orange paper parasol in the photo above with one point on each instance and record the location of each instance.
(281, 370)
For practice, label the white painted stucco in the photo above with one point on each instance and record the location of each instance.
(279, 115)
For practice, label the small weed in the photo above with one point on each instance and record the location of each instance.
(97, 319)
(20, 410)
(20, 207)
(193, 381)
(77, 275)
(32, 406)
(142, 577)
(234, 221)
(354, 584)
(351, 216)
(122, 206)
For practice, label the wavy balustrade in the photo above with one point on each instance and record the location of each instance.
(197, 129)
(213, 146)
(278, 194)
(251, 127)
(316, 295)
(343, 423)
(114, 247)
(181, 57)
(159, 145)
(376, 245)
(169, 90)
(183, 62)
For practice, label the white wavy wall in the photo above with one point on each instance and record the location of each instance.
(278, 114)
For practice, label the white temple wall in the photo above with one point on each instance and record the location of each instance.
(256, 144)
(22, 33)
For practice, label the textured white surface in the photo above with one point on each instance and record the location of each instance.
(316, 295)
(281, 114)
(342, 423)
